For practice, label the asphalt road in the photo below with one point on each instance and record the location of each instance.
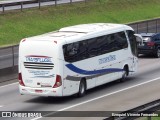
(35, 4)
(137, 90)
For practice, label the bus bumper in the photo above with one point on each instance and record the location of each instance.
(40, 91)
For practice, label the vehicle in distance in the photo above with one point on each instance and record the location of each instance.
(76, 58)
(150, 44)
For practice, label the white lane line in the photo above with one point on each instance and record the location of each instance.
(8, 85)
(72, 106)
(1, 106)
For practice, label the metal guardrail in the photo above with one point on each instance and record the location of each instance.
(3, 4)
(38, 3)
(8, 63)
(9, 55)
(148, 110)
(148, 26)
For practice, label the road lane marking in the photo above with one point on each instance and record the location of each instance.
(1, 106)
(8, 85)
(87, 101)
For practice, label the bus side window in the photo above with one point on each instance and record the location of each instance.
(82, 53)
(102, 45)
(112, 46)
(92, 47)
(121, 40)
(71, 51)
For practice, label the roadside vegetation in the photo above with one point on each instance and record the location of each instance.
(15, 25)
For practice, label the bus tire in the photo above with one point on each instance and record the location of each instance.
(157, 54)
(125, 74)
(82, 88)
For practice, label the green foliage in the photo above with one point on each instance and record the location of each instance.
(15, 25)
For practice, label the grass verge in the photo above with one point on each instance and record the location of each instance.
(15, 25)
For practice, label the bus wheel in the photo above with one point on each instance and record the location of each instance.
(125, 74)
(82, 88)
(158, 53)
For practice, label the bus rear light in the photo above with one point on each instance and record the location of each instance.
(20, 79)
(58, 82)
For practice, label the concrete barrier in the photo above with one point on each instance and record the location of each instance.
(8, 74)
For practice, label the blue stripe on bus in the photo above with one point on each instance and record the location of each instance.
(85, 72)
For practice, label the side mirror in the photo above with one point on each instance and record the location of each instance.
(139, 38)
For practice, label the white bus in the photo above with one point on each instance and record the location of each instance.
(76, 58)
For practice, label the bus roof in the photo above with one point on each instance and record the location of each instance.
(81, 31)
(89, 28)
